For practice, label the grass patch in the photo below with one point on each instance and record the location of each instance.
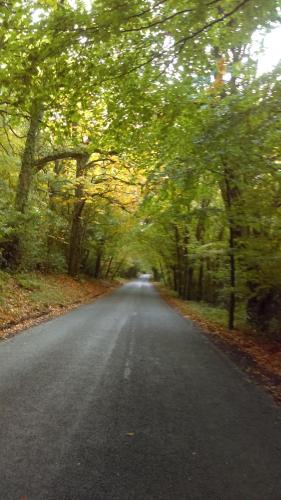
(43, 290)
(216, 314)
(24, 295)
(28, 281)
(4, 279)
(207, 311)
(49, 295)
(5, 282)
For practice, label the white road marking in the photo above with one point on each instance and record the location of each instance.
(127, 369)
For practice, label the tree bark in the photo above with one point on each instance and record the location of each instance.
(232, 270)
(98, 263)
(76, 231)
(231, 196)
(116, 270)
(108, 267)
(200, 284)
(178, 265)
(28, 169)
(200, 233)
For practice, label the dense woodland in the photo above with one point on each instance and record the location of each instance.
(137, 135)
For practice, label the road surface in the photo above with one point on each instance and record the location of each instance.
(124, 399)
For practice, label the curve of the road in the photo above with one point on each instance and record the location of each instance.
(124, 399)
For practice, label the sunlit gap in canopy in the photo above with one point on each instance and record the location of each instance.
(87, 4)
(265, 47)
(266, 50)
(39, 13)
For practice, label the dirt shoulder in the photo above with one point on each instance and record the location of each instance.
(28, 299)
(260, 357)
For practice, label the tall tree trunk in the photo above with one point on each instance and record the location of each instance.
(189, 284)
(200, 284)
(162, 274)
(28, 170)
(178, 265)
(118, 267)
(76, 231)
(200, 233)
(231, 196)
(53, 191)
(175, 278)
(13, 249)
(232, 270)
(185, 265)
(108, 267)
(98, 263)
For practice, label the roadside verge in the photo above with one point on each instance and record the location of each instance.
(28, 299)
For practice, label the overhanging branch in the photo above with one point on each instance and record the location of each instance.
(74, 154)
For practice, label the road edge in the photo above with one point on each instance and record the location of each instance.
(248, 364)
(45, 316)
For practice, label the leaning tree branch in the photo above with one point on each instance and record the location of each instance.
(142, 13)
(209, 25)
(4, 149)
(69, 154)
(156, 22)
(15, 133)
(182, 41)
(60, 155)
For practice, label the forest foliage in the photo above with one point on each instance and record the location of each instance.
(137, 135)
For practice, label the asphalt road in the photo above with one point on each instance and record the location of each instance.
(124, 399)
